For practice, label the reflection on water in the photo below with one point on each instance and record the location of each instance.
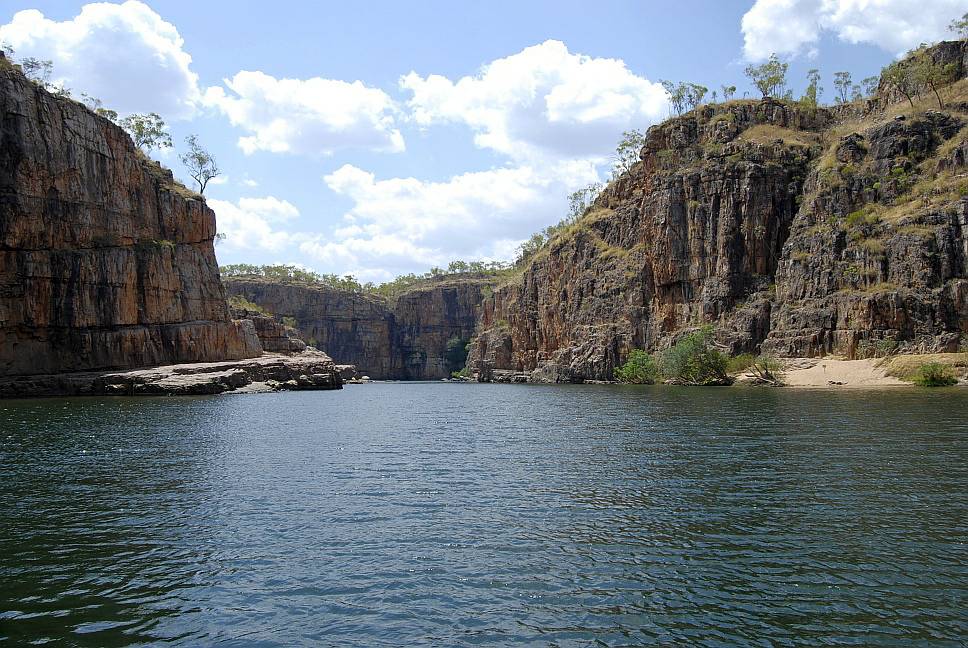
(458, 515)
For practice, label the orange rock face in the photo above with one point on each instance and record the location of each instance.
(105, 261)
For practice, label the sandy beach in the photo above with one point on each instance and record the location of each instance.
(828, 372)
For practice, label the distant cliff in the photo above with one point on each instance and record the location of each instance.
(105, 261)
(796, 231)
(410, 338)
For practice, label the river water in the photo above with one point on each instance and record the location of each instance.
(448, 514)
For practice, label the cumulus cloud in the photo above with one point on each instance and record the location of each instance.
(314, 117)
(152, 75)
(248, 225)
(790, 26)
(404, 222)
(542, 103)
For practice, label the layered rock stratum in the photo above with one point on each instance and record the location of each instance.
(105, 261)
(402, 339)
(793, 231)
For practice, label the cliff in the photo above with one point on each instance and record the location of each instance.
(410, 338)
(795, 231)
(105, 261)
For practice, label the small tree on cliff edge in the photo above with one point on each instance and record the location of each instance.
(628, 152)
(769, 78)
(147, 131)
(201, 165)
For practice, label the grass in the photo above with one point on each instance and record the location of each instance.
(768, 134)
(906, 367)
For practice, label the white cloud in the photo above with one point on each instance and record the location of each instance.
(125, 55)
(401, 223)
(787, 26)
(314, 117)
(542, 104)
(249, 224)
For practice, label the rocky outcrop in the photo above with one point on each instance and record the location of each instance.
(105, 261)
(274, 336)
(405, 339)
(794, 231)
(309, 370)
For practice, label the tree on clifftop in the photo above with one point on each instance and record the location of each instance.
(769, 78)
(146, 131)
(201, 165)
(960, 26)
(628, 152)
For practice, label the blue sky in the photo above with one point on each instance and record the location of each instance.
(382, 138)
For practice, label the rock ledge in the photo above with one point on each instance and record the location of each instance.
(310, 369)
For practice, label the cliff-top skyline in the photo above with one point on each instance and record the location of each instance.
(379, 139)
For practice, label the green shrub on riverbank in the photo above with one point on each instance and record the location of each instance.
(641, 369)
(935, 374)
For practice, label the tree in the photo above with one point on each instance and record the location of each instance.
(684, 94)
(813, 92)
(677, 95)
(692, 361)
(871, 84)
(97, 106)
(201, 165)
(901, 78)
(641, 369)
(960, 26)
(728, 92)
(581, 200)
(37, 71)
(628, 152)
(935, 76)
(842, 83)
(146, 131)
(695, 94)
(769, 78)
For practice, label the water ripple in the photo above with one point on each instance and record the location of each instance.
(469, 515)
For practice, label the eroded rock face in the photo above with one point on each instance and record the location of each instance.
(405, 340)
(105, 262)
(748, 217)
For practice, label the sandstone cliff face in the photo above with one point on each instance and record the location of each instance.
(798, 232)
(104, 261)
(405, 340)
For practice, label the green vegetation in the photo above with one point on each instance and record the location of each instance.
(935, 374)
(200, 163)
(146, 131)
(628, 152)
(349, 283)
(682, 95)
(641, 369)
(692, 361)
(959, 26)
(97, 106)
(811, 97)
(769, 78)
(455, 354)
(241, 303)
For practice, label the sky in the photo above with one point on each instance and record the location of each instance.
(381, 138)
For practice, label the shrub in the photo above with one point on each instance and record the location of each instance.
(741, 363)
(641, 369)
(935, 374)
(692, 361)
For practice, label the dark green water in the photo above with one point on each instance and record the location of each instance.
(464, 515)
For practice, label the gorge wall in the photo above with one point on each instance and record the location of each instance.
(410, 338)
(105, 261)
(794, 231)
